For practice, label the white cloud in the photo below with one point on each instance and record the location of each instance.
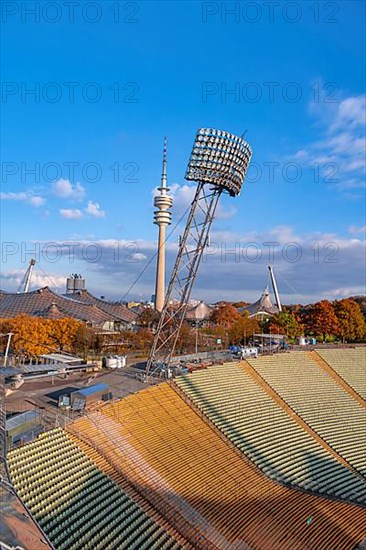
(354, 230)
(139, 256)
(308, 266)
(25, 196)
(342, 142)
(350, 112)
(71, 213)
(182, 197)
(14, 277)
(22, 196)
(345, 292)
(37, 200)
(93, 209)
(66, 190)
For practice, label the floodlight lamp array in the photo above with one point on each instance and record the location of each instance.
(219, 158)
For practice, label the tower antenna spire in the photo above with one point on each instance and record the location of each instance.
(164, 178)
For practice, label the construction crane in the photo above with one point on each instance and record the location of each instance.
(274, 286)
(218, 162)
(27, 277)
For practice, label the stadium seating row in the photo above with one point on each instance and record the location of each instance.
(266, 434)
(77, 505)
(159, 441)
(336, 417)
(350, 364)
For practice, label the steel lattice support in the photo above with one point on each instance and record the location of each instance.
(192, 245)
(218, 162)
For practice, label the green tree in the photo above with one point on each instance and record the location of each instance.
(286, 323)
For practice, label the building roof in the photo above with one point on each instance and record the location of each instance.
(45, 303)
(60, 357)
(262, 306)
(116, 309)
(36, 369)
(19, 419)
(97, 388)
(10, 371)
(200, 312)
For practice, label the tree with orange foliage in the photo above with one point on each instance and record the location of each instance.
(186, 339)
(225, 315)
(30, 335)
(143, 339)
(351, 323)
(321, 320)
(34, 336)
(62, 333)
(242, 330)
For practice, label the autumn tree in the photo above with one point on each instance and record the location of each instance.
(61, 333)
(34, 336)
(213, 333)
(351, 323)
(30, 335)
(143, 339)
(321, 320)
(85, 339)
(242, 330)
(361, 301)
(225, 315)
(186, 339)
(148, 317)
(286, 323)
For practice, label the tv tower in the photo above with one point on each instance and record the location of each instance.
(162, 218)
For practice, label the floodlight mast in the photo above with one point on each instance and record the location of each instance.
(218, 162)
(275, 289)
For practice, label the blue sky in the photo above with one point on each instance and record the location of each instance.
(106, 93)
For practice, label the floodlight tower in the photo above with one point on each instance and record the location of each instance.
(218, 162)
(275, 289)
(162, 218)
